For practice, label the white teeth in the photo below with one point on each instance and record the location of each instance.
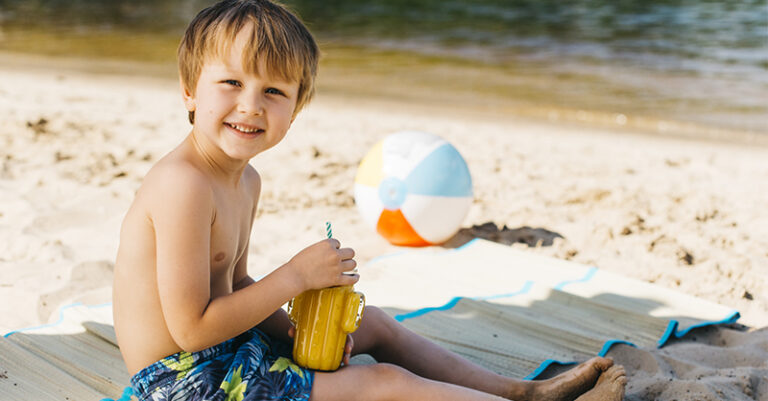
(244, 129)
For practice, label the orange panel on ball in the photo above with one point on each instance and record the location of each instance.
(395, 228)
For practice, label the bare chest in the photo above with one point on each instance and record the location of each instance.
(229, 239)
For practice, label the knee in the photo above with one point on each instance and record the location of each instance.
(378, 317)
(374, 314)
(378, 322)
(391, 377)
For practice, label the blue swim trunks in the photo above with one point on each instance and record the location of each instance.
(247, 367)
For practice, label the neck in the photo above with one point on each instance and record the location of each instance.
(214, 160)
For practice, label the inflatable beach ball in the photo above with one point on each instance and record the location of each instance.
(414, 188)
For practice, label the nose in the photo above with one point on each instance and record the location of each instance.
(251, 103)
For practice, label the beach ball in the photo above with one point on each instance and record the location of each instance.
(414, 189)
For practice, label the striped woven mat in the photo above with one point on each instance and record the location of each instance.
(509, 310)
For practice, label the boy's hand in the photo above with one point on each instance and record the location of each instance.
(348, 350)
(323, 265)
(347, 346)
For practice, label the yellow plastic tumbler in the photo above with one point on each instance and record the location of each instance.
(323, 318)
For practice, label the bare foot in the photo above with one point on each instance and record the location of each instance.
(571, 384)
(609, 387)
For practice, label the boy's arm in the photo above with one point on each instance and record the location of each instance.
(182, 214)
(278, 323)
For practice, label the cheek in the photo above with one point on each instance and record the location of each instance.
(214, 103)
(286, 113)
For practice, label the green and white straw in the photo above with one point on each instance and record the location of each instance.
(329, 233)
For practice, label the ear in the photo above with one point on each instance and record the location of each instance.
(189, 98)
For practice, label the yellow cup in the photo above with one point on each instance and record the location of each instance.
(323, 318)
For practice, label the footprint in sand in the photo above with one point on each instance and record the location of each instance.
(59, 222)
(84, 279)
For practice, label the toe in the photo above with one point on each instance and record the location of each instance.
(614, 372)
(600, 363)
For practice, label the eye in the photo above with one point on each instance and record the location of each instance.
(274, 91)
(232, 82)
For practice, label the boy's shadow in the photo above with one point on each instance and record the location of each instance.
(532, 237)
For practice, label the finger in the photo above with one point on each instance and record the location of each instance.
(334, 243)
(291, 331)
(348, 349)
(346, 253)
(348, 279)
(347, 265)
(349, 344)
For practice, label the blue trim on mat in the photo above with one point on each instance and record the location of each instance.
(674, 324)
(671, 331)
(544, 365)
(450, 304)
(423, 311)
(668, 333)
(58, 322)
(590, 273)
(527, 286)
(523, 290)
(735, 315)
(126, 396)
(610, 343)
(472, 241)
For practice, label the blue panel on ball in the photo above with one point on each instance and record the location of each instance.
(392, 192)
(442, 173)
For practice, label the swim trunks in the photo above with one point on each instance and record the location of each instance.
(247, 367)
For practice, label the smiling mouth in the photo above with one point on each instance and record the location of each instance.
(245, 129)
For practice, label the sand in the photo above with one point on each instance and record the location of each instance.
(682, 213)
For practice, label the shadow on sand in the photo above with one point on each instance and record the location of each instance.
(533, 237)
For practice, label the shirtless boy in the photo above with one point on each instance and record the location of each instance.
(191, 323)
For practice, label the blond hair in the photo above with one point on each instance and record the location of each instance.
(288, 49)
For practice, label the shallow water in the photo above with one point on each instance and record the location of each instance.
(699, 63)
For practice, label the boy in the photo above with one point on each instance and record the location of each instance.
(190, 322)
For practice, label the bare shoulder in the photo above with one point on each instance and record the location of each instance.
(253, 180)
(174, 183)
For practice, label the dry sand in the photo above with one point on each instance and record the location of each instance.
(685, 214)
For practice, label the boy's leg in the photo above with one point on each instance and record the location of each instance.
(386, 382)
(388, 341)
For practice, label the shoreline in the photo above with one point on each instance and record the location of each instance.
(340, 82)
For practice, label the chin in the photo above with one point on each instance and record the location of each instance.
(245, 154)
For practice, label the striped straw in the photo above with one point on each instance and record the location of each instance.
(330, 234)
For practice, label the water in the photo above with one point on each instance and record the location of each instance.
(699, 63)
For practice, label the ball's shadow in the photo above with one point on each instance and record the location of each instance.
(532, 237)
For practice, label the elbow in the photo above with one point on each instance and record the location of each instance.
(188, 338)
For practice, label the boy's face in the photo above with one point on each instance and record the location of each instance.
(241, 113)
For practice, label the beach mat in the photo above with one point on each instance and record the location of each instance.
(80, 347)
(84, 356)
(517, 312)
(512, 311)
(25, 375)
